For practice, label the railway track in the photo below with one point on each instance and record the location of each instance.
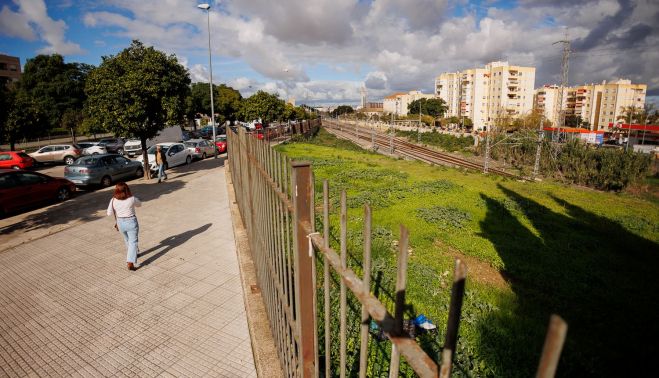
(407, 149)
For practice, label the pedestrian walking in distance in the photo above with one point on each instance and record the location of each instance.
(161, 160)
(122, 206)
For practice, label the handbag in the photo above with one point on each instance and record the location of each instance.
(115, 216)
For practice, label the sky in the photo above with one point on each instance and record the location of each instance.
(324, 51)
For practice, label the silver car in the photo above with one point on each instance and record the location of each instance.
(102, 170)
(57, 153)
(200, 148)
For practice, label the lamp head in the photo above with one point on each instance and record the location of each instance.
(204, 6)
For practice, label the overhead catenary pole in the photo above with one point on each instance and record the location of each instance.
(538, 151)
(564, 82)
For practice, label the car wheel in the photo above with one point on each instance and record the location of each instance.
(188, 160)
(69, 160)
(120, 151)
(139, 172)
(106, 181)
(63, 194)
(15, 167)
(203, 156)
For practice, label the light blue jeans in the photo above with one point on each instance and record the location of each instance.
(130, 229)
(161, 172)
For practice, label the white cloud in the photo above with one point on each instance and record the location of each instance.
(31, 21)
(404, 43)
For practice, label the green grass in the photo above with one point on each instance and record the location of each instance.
(541, 248)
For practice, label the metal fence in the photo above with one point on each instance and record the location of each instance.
(296, 266)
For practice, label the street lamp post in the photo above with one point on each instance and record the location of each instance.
(207, 8)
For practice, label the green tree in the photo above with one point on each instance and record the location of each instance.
(55, 87)
(342, 109)
(435, 107)
(268, 107)
(23, 119)
(227, 101)
(137, 93)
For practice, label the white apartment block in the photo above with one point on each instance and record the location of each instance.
(546, 100)
(602, 104)
(598, 105)
(397, 103)
(486, 94)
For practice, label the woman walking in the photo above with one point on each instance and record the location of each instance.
(161, 160)
(122, 206)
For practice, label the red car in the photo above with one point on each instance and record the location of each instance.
(22, 189)
(15, 160)
(221, 143)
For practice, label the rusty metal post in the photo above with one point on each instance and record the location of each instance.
(455, 308)
(399, 310)
(551, 351)
(326, 280)
(363, 351)
(304, 285)
(343, 291)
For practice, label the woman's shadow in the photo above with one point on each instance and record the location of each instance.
(171, 243)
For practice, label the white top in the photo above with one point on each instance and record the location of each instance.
(124, 208)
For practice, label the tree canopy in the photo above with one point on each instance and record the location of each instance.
(227, 101)
(137, 92)
(55, 88)
(268, 107)
(435, 107)
(342, 109)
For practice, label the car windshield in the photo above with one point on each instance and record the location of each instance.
(23, 155)
(152, 149)
(88, 161)
(103, 142)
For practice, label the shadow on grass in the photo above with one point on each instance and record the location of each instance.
(170, 243)
(586, 268)
(92, 205)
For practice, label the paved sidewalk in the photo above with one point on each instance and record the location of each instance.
(69, 306)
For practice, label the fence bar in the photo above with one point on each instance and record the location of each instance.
(455, 307)
(399, 310)
(326, 283)
(363, 350)
(304, 286)
(344, 257)
(312, 217)
(551, 351)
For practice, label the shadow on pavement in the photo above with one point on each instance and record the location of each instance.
(92, 204)
(171, 243)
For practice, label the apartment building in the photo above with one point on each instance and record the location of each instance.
(602, 104)
(547, 99)
(486, 94)
(397, 103)
(598, 105)
(10, 68)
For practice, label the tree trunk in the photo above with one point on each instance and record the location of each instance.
(145, 156)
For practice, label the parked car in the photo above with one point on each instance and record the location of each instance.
(133, 147)
(92, 148)
(15, 160)
(176, 153)
(221, 143)
(207, 131)
(57, 153)
(113, 145)
(22, 189)
(200, 148)
(102, 170)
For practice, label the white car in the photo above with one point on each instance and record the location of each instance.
(176, 153)
(92, 148)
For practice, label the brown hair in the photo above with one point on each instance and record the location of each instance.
(122, 191)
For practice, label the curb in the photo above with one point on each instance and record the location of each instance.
(266, 360)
